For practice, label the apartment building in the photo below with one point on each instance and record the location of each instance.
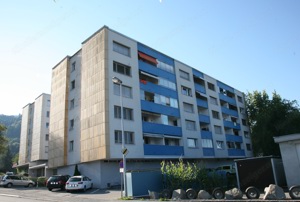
(34, 137)
(170, 111)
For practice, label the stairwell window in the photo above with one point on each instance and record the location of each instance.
(129, 137)
(218, 129)
(220, 144)
(211, 86)
(126, 90)
(215, 114)
(71, 124)
(121, 68)
(186, 91)
(184, 75)
(72, 84)
(190, 125)
(71, 145)
(122, 49)
(188, 107)
(192, 142)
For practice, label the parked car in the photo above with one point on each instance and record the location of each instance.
(57, 182)
(15, 180)
(227, 169)
(79, 183)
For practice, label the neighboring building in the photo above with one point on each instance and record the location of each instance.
(171, 111)
(290, 152)
(33, 153)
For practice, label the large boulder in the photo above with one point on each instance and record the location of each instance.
(234, 193)
(178, 194)
(274, 192)
(202, 194)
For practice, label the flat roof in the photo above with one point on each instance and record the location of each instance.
(286, 138)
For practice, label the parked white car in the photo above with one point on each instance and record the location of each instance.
(79, 183)
(15, 180)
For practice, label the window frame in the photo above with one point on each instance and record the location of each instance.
(184, 75)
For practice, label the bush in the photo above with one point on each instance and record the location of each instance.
(41, 181)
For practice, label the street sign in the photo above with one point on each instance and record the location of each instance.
(125, 151)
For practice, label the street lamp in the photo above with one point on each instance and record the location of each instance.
(116, 80)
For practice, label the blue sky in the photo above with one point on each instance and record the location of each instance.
(249, 45)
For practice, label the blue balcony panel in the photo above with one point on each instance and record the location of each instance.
(230, 124)
(236, 152)
(206, 134)
(202, 103)
(227, 99)
(208, 152)
(225, 87)
(233, 138)
(230, 112)
(204, 118)
(200, 88)
(150, 149)
(198, 74)
(151, 87)
(161, 57)
(156, 128)
(159, 109)
(156, 71)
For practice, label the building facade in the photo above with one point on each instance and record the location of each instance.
(33, 153)
(170, 111)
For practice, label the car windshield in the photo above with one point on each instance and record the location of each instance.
(75, 179)
(54, 178)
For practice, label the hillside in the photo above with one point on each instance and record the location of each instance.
(13, 125)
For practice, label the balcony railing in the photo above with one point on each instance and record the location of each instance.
(150, 149)
(202, 103)
(230, 112)
(233, 125)
(160, 109)
(227, 99)
(156, 128)
(204, 118)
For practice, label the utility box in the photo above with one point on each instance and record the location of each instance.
(260, 172)
(139, 182)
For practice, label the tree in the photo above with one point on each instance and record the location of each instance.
(269, 118)
(3, 140)
(76, 171)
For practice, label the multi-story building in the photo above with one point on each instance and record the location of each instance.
(170, 111)
(33, 153)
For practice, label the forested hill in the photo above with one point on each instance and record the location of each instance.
(13, 125)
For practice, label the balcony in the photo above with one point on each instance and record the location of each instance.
(150, 149)
(225, 87)
(206, 134)
(159, 109)
(233, 138)
(202, 103)
(208, 152)
(227, 99)
(233, 125)
(200, 88)
(156, 71)
(156, 128)
(230, 112)
(154, 88)
(236, 152)
(204, 118)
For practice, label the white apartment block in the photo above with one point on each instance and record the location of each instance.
(170, 111)
(34, 138)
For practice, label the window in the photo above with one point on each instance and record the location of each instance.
(244, 122)
(240, 99)
(72, 104)
(73, 85)
(186, 91)
(188, 107)
(211, 86)
(184, 75)
(122, 69)
(190, 125)
(213, 100)
(192, 142)
(127, 113)
(48, 103)
(246, 134)
(73, 66)
(218, 129)
(119, 48)
(220, 144)
(48, 114)
(126, 90)
(242, 110)
(46, 149)
(215, 114)
(129, 137)
(47, 137)
(248, 146)
(71, 145)
(71, 124)
(207, 143)
(47, 125)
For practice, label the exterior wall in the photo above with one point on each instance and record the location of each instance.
(59, 117)
(25, 135)
(94, 99)
(135, 149)
(73, 154)
(39, 150)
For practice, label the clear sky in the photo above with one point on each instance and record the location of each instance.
(247, 44)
